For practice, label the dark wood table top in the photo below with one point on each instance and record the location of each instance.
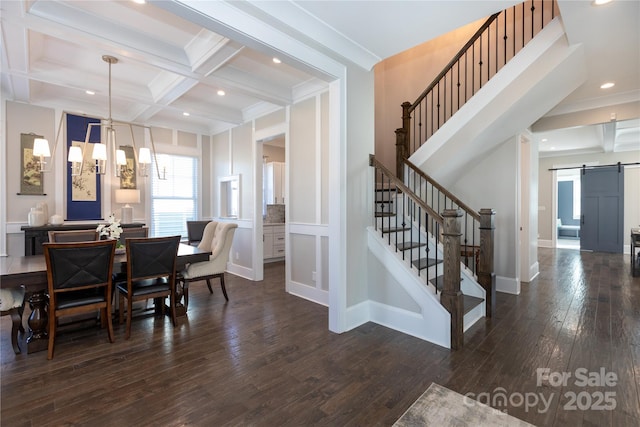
(31, 271)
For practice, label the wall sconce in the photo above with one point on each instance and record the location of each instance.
(41, 150)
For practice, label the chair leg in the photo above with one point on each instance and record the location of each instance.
(16, 320)
(224, 289)
(107, 315)
(185, 294)
(172, 307)
(52, 335)
(120, 308)
(209, 286)
(129, 310)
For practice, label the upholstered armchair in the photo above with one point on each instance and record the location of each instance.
(217, 238)
(12, 303)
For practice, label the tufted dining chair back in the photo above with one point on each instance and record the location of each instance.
(220, 246)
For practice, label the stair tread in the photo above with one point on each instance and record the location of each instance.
(385, 214)
(439, 282)
(423, 263)
(470, 302)
(395, 229)
(409, 245)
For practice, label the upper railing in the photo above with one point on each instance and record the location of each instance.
(499, 39)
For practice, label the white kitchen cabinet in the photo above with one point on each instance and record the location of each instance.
(273, 242)
(274, 177)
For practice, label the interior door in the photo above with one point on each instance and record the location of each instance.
(602, 204)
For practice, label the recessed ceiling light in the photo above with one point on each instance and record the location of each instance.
(544, 139)
(607, 85)
(221, 92)
(553, 148)
(185, 114)
(600, 2)
(139, 1)
(277, 61)
(89, 92)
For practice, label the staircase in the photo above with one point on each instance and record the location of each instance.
(435, 246)
(412, 240)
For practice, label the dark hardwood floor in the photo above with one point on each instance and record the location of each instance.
(266, 358)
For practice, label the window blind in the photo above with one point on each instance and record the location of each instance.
(174, 201)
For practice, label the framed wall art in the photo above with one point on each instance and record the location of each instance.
(31, 179)
(128, 173)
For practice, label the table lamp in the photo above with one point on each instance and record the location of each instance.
(127, 196)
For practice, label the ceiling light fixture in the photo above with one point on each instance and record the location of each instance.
(76, 153)
(186, 114)
(607, 85)
(601, 2)
(221, 92)
(108, 135)
(277, 61)
(89, 92)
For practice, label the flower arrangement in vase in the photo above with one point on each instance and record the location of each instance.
(112, 230)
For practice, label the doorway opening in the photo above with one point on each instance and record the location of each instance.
(568, 209)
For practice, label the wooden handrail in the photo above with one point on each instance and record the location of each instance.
(444, 191)
(399, 184)
(455, 59)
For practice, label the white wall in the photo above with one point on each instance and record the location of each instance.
(492, 183)
(307, 253)
(237, 152)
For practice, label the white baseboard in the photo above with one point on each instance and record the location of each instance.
(508, 285)
(405, 321)
(309, 293)
(534, 270)
(241, 271)
(545, 243)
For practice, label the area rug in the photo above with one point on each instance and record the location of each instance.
(439, 406)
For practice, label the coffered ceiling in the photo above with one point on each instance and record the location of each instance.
(174, 56)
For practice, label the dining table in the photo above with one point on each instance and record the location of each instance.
(30, 272)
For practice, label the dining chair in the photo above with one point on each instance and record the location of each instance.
(62, 236)
(151, 273)
(130, 232)
(127, 233)
(195, 230)
(12, 304)
(218, 239)
(79, 281)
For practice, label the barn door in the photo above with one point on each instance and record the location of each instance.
(602, 204)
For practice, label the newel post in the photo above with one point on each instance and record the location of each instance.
(451, 296)
(402, 139)
(486, 275)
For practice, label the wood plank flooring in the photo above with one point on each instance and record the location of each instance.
(266, 358)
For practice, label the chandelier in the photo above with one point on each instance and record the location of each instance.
(100, 150)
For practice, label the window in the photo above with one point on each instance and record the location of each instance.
(174, 201)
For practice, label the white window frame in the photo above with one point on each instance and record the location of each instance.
(178, 194)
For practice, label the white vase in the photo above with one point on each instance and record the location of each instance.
(36, 218)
